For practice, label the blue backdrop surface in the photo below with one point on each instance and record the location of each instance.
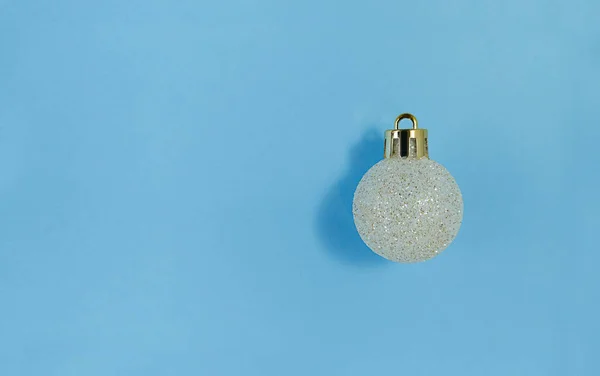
(176, 181)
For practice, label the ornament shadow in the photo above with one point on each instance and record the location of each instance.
(334, 222)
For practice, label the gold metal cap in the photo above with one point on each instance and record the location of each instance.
(406, 143)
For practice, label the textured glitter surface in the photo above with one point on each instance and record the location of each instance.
(407, 210)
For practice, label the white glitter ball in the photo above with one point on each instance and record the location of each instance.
(407, 210)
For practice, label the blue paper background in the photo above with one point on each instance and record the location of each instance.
(176, 180)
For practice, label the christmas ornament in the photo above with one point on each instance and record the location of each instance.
(407, 207)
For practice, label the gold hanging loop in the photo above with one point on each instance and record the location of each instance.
(413, 119)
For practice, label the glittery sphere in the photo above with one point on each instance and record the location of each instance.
(407, 210)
